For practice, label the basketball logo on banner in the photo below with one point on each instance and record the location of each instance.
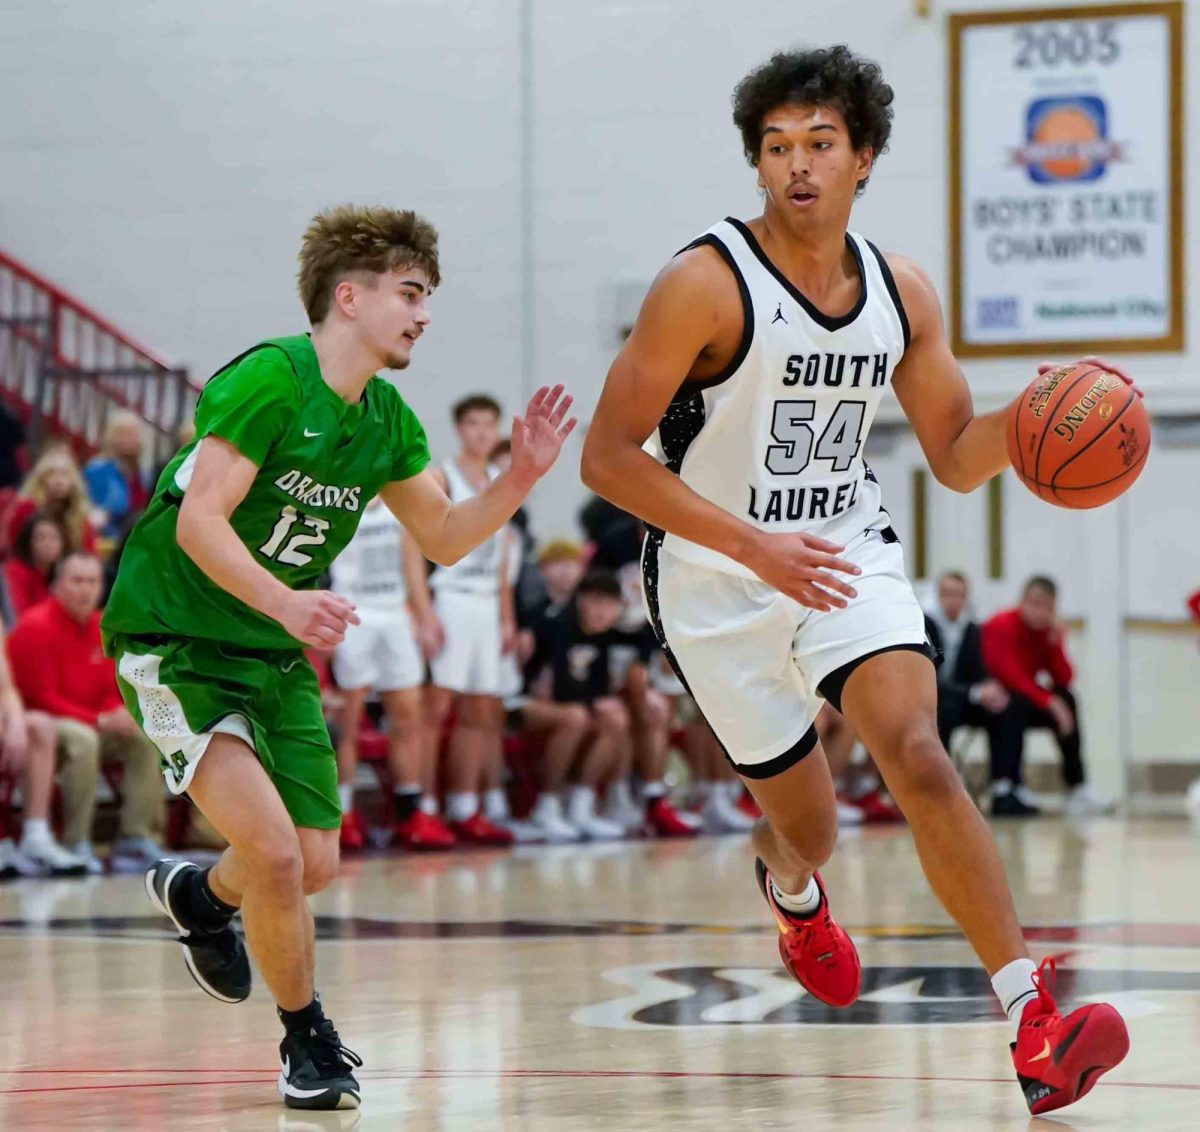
(1065, 188)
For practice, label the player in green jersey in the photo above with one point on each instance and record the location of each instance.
(216, 597)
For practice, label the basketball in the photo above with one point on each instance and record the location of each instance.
(1079, 436)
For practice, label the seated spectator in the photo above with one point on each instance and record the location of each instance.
(1023, 649)
(115, 482)
(37, 550)
(27, 741)
(967, 695)
(60, 668)
(54, 487)
(576, 706)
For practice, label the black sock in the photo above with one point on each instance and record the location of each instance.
(407, 802)
(303, 1021)
(200, 906)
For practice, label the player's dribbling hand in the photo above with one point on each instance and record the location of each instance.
(800, 566)
(318, 617)
(1103, 363)
(537, 438)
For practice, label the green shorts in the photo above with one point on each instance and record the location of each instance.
(183, 690)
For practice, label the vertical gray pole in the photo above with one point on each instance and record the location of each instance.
(527, 294)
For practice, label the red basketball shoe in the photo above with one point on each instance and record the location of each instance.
(353, 835)
(1058, 1059)
(423, 831)
(664, 820)
(477, 830)
(820, 955)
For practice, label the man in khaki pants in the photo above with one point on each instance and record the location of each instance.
(60, 668)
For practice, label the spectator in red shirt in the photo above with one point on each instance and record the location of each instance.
(1022, 648)
(60, 668)
(36, 551)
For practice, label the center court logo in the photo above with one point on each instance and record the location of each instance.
(707, 997)
(1066, 140)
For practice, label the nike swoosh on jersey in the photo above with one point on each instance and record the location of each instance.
(307, 433)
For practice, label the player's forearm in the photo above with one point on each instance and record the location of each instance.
(639, 484)
(416, 577)
(473, 521)
(979, 452)
(213, 545)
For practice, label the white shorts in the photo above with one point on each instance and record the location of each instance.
(382, 653)
(470, 659)
(754, 660)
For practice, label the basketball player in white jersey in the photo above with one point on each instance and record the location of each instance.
(773, 576)
(471, 625)
(382, 654)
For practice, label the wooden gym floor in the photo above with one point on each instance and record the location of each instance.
(629, 986)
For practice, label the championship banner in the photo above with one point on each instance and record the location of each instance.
(1066, 180)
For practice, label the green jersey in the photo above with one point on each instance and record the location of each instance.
(320, 462)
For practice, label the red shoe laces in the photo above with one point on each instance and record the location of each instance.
(1044, 979)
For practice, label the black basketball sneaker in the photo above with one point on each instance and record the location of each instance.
(318, 1071)
(216, 959)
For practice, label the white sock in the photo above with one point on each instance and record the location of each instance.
(581, 805)
(346, 794)
(653, 790)
(495, 805)
(803, 905)
(1013, 985)
(461, 806)
(36, 829)
(429, 805)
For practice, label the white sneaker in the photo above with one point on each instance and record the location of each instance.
(720, 816)
(524, 832)
(134, 854)
(596, 828)
(52, 857)
(849, 815)
(548, 817)
(619, 807)
(83, 850)
(14, 864)
(1085, 801)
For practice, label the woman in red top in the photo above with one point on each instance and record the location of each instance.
(55, 486)
(37, 549)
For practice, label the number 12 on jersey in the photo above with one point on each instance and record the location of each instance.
(310, 532)
(839, 443)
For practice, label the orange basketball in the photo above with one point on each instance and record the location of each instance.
(1079, 436)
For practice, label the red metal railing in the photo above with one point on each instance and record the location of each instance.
(64, 368)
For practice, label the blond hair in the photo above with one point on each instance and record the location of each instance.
(116, 421)
(371, 239)
(73, 514)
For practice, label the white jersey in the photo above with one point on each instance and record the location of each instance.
(776, 438)
(477, 572)
(370, 571)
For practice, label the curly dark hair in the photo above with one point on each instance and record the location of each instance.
(824, 76)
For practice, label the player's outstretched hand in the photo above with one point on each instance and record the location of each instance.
(1103, 363)
(537, 438)
(802, 566)
(318, 617)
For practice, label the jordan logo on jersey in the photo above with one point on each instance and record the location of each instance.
(779, 315)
